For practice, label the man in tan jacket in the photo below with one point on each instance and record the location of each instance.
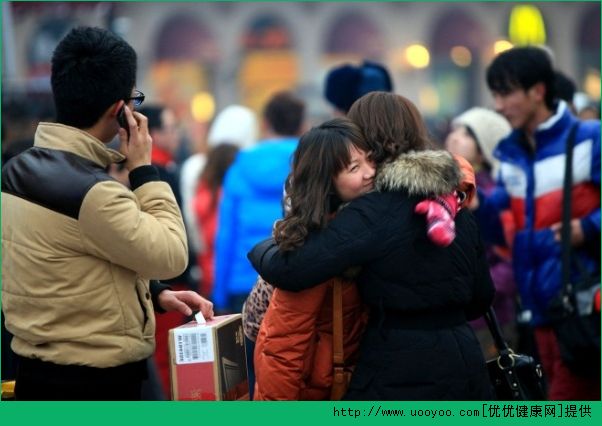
(78, 247)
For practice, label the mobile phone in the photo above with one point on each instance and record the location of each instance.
(123, 123)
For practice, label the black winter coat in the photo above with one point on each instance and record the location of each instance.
(418, 344)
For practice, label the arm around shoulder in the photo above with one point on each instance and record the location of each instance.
(350, 239)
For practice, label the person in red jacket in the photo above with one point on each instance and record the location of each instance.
(294, 352)
(206, 203)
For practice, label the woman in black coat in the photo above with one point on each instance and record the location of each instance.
(418, 344)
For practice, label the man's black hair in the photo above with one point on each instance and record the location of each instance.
(564, 87)
(522, 68)
(153, 114)
(284, 113)
(92, 69)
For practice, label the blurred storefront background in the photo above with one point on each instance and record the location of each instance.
(198, 57)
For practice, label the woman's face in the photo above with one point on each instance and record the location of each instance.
(459, 142)
(357, 178)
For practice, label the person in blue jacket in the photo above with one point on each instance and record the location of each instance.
(252, 199)
(530, 183)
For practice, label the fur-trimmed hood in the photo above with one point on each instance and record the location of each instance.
(421, 173)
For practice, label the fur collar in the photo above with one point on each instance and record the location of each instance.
(421, 173)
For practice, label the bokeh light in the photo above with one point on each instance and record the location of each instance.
(418, 56)
(461, 56)
(203, 107)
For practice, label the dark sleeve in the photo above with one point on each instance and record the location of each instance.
(351, 239)
(156, 287)
(143, 174)
(483, 288)
(488, 214)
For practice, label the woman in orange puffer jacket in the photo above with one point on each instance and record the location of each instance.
(294, 351)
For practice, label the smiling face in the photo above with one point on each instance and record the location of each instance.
(357, 178)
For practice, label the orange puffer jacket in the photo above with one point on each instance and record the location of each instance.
(293, 354)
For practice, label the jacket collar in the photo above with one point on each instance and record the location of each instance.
(76, 141)
(547, 132)
(420, 173)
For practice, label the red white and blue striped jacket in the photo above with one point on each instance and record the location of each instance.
(530, 184)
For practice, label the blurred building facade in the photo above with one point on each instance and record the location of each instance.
(200, 57)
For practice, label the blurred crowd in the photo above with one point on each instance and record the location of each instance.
(232, 192)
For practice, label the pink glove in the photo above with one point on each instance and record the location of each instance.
(440, 213)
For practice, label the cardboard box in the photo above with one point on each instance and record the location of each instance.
(208, 362)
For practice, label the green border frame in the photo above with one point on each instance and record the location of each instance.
(299, 413)
(14, 413)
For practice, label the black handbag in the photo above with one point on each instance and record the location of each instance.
(576, 324)
(514, 377)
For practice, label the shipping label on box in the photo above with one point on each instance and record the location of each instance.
(208, 361)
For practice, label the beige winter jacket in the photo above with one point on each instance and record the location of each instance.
(79, 248)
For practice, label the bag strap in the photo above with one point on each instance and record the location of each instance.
(567, 192)
(339, 378)
(496, 332)
(337, 324)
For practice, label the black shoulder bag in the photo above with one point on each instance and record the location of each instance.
(576, 323)
(515, 377)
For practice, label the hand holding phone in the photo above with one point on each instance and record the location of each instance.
(138, 145)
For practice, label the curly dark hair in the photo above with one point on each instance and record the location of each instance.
(310, 193)
(391, 125)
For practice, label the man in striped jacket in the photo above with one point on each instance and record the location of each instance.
(530, 184)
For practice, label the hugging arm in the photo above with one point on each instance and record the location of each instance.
(352, 238)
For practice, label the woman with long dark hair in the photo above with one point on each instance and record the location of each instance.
(294, 354)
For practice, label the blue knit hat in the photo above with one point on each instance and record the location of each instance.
(347, 83)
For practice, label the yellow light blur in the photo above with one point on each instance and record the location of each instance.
(591, 85)
(418, 56)
(202, 107)
(461, 56)
(526, 26)
(428, 99)
(501, 45)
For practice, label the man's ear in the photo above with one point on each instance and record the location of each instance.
(115, 108)
(538, 91)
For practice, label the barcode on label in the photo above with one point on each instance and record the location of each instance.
(193, 345)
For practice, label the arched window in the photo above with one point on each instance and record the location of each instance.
(353, 35)
(184, 38)
(185, 54)
(457, 43)
(269, 62)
